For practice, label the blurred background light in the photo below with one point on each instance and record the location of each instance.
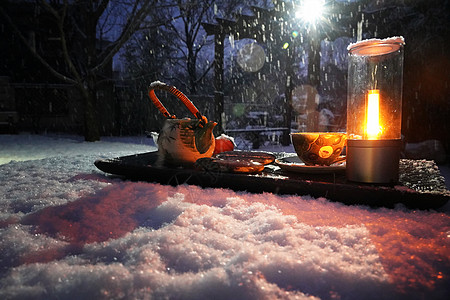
(310, 10)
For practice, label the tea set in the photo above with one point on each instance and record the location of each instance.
(191, 142)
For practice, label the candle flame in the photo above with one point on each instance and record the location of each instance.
(373, 129)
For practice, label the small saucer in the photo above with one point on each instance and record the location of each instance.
(263, 158)
(295, 164)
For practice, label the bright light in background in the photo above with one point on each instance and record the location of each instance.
(310, 10)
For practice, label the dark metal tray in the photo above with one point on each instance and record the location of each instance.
(420, 184)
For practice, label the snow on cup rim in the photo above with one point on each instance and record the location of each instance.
(375, 47)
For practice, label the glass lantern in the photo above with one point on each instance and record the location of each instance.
(374, 110)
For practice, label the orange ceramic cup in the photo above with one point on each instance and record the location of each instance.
(319, 148)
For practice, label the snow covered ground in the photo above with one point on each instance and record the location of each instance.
(69, 231)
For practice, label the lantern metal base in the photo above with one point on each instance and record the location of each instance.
(373, 161)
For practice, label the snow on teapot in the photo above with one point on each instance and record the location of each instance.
(182, 141)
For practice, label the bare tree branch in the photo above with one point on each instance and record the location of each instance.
(205, 72)
(132, 24)
(34, 52)
(60, 19)
(100, 9)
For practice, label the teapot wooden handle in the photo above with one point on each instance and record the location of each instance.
(157, 85)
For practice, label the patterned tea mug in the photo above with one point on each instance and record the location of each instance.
(319, 148)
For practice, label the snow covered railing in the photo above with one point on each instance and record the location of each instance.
(256, 133)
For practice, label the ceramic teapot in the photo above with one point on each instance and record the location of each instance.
(182, 141)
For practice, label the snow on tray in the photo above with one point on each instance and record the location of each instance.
(69, 231)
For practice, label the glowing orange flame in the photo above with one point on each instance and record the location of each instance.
(373, 128)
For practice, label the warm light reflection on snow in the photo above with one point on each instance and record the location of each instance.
(67, 229)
